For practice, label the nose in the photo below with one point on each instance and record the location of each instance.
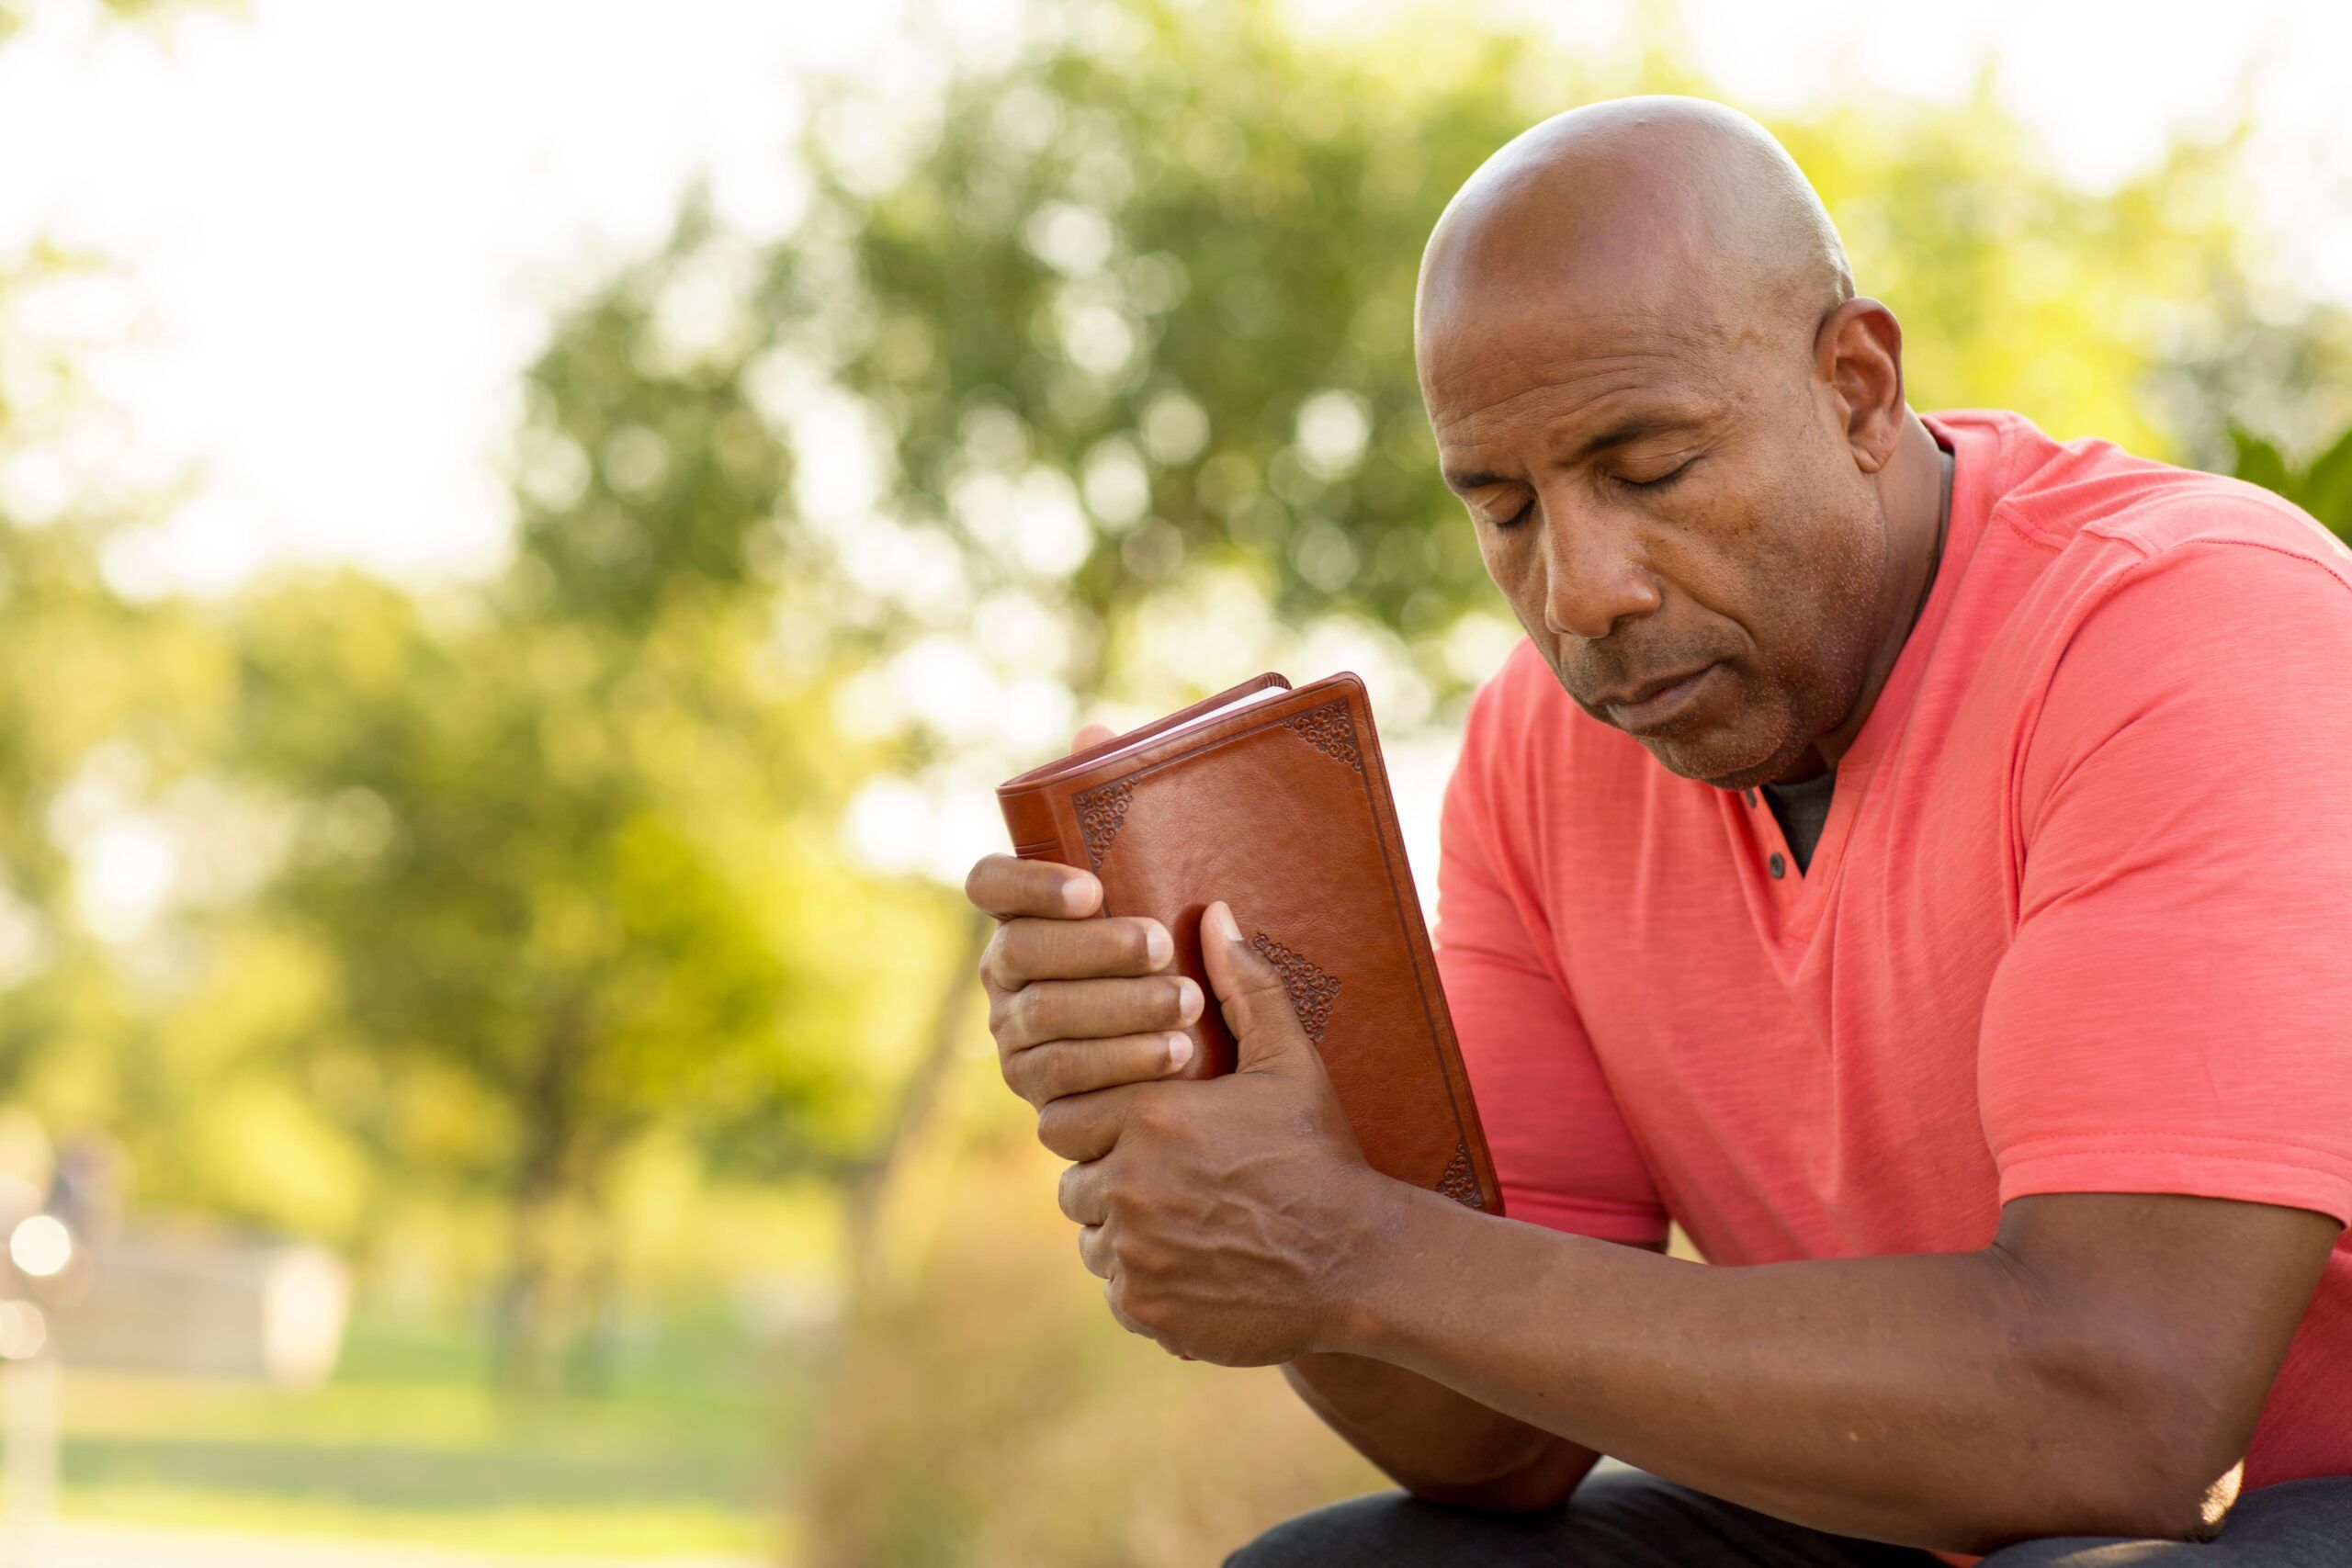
(1594, 576)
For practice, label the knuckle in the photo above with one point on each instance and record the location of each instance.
(1251, 1008)
(1139, 1195)
(1024, 1016)
(1154, 1116)
(1054, 1128)
(1145, 1056)
(1137, 1253)
(991, 967)
(1049, 1070)
(1020, 1076)
(1011, 945)
(1263, 990)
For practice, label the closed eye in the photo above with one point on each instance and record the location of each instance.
(1659, 484)
(1662, 480)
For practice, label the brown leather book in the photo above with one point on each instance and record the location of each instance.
(1275, 801)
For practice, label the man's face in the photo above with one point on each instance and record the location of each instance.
(1676, 516)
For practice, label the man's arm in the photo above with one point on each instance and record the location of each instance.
(2099, 1369)
(1435, 1443)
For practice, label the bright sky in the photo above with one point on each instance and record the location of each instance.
(338, 228)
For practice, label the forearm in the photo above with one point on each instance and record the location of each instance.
(1932, 1400)
(1434, 1442)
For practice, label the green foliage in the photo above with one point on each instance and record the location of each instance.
(665, 478)
(2322, 487)
(556, 841)
(1167, 269)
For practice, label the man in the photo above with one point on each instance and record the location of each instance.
(1913, 854)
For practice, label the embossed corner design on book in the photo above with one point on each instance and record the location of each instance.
(1099, 812)
(1312, 991)
(1459, 1183)
(1330, 730)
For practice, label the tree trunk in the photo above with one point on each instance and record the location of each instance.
(869, 1183)
(524, 1351)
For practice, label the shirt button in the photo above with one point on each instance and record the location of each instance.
(1779, 867)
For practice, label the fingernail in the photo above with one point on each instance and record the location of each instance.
(1226, 927)
(1188, 1000)
(1079, 893)
(1159, 946)
(1179, 1051)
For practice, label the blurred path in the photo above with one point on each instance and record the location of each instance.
(84, 1543)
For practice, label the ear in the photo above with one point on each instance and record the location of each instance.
(1858, 355)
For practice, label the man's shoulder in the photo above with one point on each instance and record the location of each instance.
(2093, 501)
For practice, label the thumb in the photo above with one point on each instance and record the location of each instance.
(1257, 1006)
(1090, 735)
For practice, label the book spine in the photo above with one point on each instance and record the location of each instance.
(1035, 827)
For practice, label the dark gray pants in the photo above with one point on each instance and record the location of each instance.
(1623, 1518)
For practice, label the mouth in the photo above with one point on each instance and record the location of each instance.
(1657, 704)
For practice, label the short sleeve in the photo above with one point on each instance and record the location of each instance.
(1562, 1152)
(2174, 1014)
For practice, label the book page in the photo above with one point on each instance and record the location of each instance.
(1194, 723)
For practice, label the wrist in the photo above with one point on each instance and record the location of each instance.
(1384, 1245)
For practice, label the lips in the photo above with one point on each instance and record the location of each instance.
(1631, 695)
(1654, 704)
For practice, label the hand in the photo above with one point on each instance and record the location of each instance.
(1076, 1003)
(1224, 1214)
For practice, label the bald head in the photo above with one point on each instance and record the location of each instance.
(1668, 205)
(1681, 436)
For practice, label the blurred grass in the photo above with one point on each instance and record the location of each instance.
(992, 1414)
(407, 1442)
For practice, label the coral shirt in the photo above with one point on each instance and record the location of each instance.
(2080, 919)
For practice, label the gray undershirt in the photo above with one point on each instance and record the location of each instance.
(1802, 807)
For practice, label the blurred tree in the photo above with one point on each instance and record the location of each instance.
(1141, 299)
(563, 842)
(2322, 487)
(103, 700)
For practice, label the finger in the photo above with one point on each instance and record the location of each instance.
(1093, 1010)
(1005, 886)
(1083, 1195)
(1091, 735)
(1094, 1251)
(1119, 1315)
(1255, 1003)
(1025, 949)
(1047, 1072)
(1087, 1126)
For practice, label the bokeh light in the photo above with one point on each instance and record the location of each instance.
(40, 1246)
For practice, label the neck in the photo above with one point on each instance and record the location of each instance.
(1915, 490)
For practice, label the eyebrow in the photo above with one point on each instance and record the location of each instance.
(1625, 432)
